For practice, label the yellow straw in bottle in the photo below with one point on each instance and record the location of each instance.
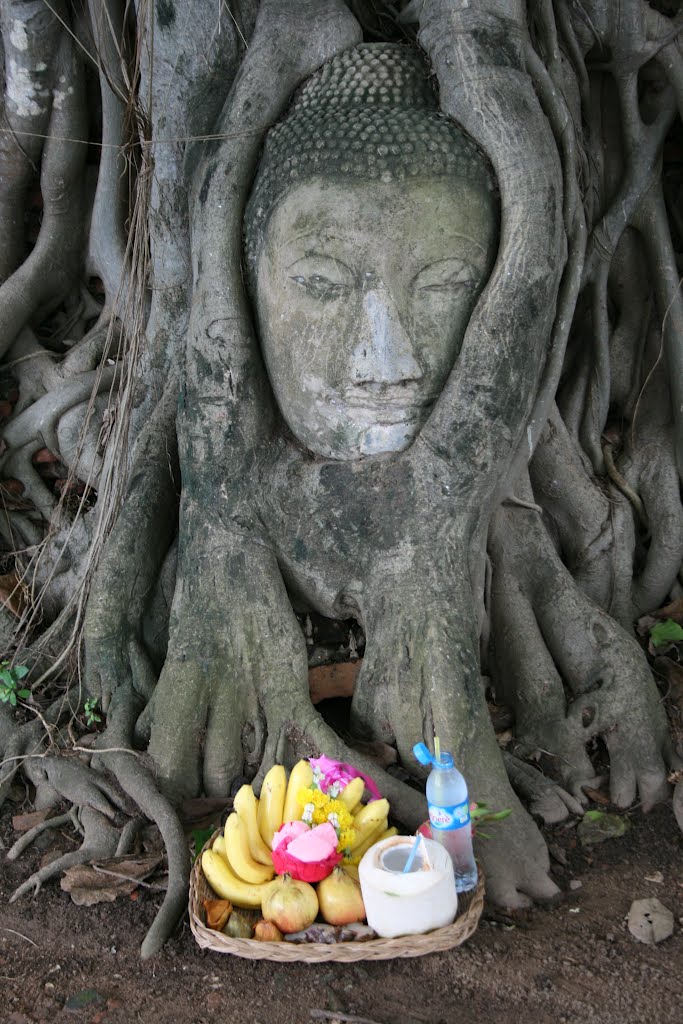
(437, 748)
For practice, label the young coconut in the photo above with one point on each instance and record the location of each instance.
(290, 904)
(340, 898)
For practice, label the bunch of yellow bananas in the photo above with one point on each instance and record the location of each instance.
(239, 867)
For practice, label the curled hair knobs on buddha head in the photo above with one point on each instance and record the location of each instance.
(370, 114)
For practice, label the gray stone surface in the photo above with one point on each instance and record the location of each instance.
(364, 293)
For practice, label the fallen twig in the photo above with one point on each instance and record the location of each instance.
(21, 936)
(128, 878)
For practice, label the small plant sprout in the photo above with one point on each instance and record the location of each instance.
(9, 683)
(90, 711)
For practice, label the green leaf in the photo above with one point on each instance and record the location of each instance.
(13, 698)
(201, 836)
(597, 826)
(666, 632)
(499, 815)
(5, 694)
(24, 694)
(482, 812)
(6, 676)
(20, 671)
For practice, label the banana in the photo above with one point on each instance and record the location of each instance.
(351, 869)
(239, 856)
(272, 803)
(376, 837)
(219, 847)
(228, 886)
(368, 820)
(352, 794)
(301, 777)
(246, 804)
(373, 838)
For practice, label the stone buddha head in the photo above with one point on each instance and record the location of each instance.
(370, 233)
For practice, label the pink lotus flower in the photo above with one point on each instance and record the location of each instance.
(307, 854)
(329, 774)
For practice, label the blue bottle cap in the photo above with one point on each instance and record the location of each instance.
(425, 756)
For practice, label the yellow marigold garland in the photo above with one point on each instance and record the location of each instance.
(319, 808)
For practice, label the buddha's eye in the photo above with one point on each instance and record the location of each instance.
(448, 278)
(449, 286)
(321, 277)
(321, 287)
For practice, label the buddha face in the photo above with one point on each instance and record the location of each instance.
(364, 291)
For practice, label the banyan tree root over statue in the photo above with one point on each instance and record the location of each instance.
(367, 310)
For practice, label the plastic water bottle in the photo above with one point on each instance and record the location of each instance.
(449, 814)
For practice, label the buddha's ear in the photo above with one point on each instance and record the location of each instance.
(490, 395)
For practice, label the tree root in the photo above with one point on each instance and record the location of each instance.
(543, 796)
(99, 843)
(140, 786)
(70, 818)
(595, 536)
(45, 277)
(116, 783)
(30, 58)
(571, 672)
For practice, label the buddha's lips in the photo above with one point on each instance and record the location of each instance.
(397, 404)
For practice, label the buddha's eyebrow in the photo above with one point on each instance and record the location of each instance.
(317, 235)
(320, 255)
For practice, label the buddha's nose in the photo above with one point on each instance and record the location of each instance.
(384, 353)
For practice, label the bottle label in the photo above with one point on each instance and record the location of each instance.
(452, 817)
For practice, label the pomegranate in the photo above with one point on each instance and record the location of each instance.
(340, 898)
(290, 904)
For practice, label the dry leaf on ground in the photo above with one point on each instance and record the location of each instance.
(650, 921)
(24, 822)
(102, 882)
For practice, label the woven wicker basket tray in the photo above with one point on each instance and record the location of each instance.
(469, 911)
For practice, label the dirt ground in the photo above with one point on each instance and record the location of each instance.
(572, 963)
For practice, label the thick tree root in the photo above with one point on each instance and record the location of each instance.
(139, 785)
(570, 671)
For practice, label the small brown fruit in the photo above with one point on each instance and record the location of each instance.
(266, 931)
(240, 925)
(217, 913)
